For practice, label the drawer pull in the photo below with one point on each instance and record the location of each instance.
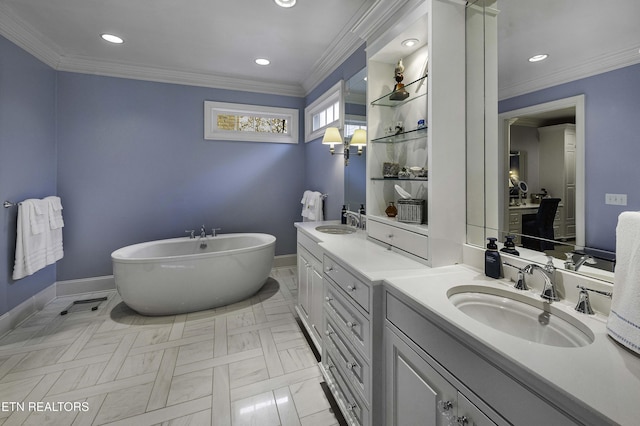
(351, 288)
(351, 365)
(351, 324)
(352, 406)
(390, 236)
(328, 299)
(328, 332)
(329, 269)
(445, 405)
(462, 420)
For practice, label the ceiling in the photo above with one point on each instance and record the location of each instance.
(200, 40)
(214, 43)
(581, 37)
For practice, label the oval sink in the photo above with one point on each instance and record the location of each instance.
(335, 229)
(521, 316)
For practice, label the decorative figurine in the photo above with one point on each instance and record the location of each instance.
(399, 92)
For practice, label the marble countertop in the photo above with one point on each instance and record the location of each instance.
(602, 375)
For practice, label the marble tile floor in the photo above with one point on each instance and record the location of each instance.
(243, 364)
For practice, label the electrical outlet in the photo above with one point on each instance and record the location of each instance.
(616, 199)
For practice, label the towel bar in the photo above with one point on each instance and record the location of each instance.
(8, 204)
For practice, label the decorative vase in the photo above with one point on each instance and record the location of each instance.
(392, 210)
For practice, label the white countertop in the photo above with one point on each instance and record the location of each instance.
(602, 375)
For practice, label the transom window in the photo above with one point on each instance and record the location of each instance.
(254, 123)
(324, 112)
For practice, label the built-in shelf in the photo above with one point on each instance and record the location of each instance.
(385, 101)
(407, 136)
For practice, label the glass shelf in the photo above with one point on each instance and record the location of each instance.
(385, 101)
(407, 136)
(411, 179)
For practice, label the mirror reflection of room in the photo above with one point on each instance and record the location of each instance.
(541, 182)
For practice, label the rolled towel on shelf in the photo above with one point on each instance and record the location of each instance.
(623, 324)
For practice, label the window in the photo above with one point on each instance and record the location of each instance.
(324, 112)
(253, 123)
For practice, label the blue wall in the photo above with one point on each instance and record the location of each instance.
(27, 157)
(324, 172)
(612, 144)
(133, 166)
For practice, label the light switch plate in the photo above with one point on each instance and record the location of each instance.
(616, 199)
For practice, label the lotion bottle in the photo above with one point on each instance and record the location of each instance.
(492, 263)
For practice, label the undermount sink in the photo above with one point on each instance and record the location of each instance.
(521, 316)
(335, 229)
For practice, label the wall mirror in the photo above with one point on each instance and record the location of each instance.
(355, 99)
(590, 91)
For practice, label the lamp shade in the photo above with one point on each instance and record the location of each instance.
(359, 138)
(331, 136)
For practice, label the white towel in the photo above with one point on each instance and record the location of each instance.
(304, 201)
(623, 324)
(314, 206)
(35, 250)
(54, 206)
(31, 248)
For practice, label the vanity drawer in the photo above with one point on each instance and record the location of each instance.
(412, 242)
(354, 409)
(354, 325)
(352, 364)
(309, 244)
(355, 289)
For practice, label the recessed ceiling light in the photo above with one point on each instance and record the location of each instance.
(112, 38)
(410, 42)
(262, 61)
(538, 58)
(285, 3)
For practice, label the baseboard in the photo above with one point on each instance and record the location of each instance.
(285, 260)
(85, 285)
(15, 316)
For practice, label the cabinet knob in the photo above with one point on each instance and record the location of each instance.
(329, 269)
(351, 324)
(351, 365)
(328, 333)
(462, 420)
(328, 299)
(390, 236)
(445, 405)
(351, 288)
(352, 406)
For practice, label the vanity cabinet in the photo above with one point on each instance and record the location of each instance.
(417, 394)
(349, 338)
(450, 379)
(310, 288)
(558, 173)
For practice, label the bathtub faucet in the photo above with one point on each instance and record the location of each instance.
(203, 238)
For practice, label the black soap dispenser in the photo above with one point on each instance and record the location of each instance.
(510, 246)
(343, 215)
(492, 263)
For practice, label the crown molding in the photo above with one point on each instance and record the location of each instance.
(161, 75)
(377, 16)
(22, 35)
(594, 66)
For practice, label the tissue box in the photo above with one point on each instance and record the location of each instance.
(411, 211)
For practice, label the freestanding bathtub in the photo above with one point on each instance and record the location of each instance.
(174, 276)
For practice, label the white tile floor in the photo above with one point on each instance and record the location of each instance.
(244, 364)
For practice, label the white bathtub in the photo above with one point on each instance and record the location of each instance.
(173, 276)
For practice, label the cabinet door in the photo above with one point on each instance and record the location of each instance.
(316, 299)
(470, 415)
(303, 283)
(415, 393)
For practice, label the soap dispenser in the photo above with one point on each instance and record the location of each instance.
(510, 246)
(343, 215)
(492, 263)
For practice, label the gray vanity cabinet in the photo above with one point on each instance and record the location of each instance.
(310, 288)
(453, 380)
(417, 394)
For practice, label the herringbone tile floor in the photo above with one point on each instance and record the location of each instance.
(243, 364)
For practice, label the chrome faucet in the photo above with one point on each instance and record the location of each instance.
(574, 266)
(549, 292)
(520, 283)
(214, 230)
(203, 236)
(354, 219)
(191, 232)
(584, 304)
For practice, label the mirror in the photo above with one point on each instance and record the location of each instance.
(605, 76)
(355, 99)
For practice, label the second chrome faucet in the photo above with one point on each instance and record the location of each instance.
(549, 291)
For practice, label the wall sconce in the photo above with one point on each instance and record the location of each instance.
(359, 139)
(332, 136)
